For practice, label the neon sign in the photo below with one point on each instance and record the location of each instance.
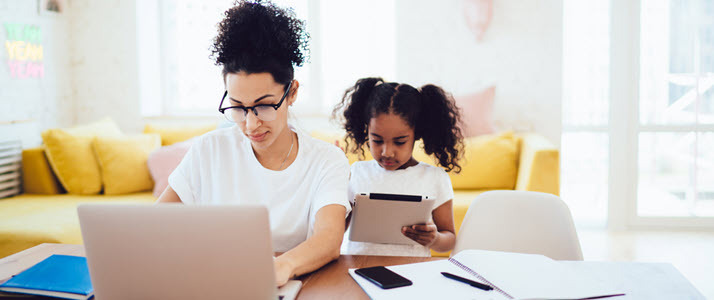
(24, 51)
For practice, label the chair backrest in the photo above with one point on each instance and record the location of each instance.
(520, 221)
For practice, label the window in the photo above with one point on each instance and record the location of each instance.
(349, 40)
(585, 140)
(638, 112)
(676, 109)
(191, 83)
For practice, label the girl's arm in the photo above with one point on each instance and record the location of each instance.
(439, 235)
(322, 247)
(168, 196)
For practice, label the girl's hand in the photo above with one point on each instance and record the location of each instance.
(423, 234)
(282, 272)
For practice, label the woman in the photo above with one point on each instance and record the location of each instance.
(264, 160)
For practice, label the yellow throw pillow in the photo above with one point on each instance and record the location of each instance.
(37, 175)
(489, 162)
(171, 134)
(123, 162)
(70, 154)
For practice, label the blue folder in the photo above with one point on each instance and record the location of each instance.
(60, 276)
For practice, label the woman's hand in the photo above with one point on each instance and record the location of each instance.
(319, 249)
(426, 234)
(282, 271)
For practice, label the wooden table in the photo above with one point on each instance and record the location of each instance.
(329, 282)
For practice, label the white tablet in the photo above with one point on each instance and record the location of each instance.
(379, 218)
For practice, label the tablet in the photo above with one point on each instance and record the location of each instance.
(379, 218)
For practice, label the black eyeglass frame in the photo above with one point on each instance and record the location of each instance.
(252, 108)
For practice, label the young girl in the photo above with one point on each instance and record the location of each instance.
(390, 117)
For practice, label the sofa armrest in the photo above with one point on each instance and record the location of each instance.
(37, 174)
(539, 165)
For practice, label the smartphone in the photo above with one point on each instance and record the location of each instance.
(383, 277)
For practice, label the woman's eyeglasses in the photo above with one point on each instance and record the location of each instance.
(264, 112)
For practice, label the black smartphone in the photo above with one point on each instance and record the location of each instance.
(383, 277)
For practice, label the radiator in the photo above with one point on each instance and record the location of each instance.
(10, 166)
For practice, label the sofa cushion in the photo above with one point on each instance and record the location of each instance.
(28, 220)
(489, 162)
(163, 161)
(122, 161)
(37, 175)
(477, 112)
(70, 154)
(172, 133)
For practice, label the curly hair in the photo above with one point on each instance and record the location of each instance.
(429, 110)
(257, 36)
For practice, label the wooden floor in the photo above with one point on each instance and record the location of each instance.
(690, 252)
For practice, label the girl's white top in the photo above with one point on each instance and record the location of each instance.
(421, 179)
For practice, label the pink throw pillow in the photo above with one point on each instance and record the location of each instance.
(477, 112)
(163, 161)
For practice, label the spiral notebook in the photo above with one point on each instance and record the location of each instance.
(512, 275)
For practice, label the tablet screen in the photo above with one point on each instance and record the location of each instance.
(395, 197)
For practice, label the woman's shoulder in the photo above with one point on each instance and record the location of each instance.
(319, 148)
(219, 137)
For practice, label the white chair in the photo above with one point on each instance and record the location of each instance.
(520, 221)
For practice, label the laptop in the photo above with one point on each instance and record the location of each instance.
(174, 251)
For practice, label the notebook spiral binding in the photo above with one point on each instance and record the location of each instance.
(472, 272)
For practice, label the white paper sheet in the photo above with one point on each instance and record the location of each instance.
(427, 283)
(526, 276)
(530, 276)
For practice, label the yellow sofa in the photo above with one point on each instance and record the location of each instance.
(43, 214)
(28, 220)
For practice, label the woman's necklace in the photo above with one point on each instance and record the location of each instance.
(292, 142)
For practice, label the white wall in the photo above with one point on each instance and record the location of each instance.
(28, 105)
(521, 54)
(104, 62)
(91, 69)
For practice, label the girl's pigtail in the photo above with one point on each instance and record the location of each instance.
(355, 117)
(438, 127)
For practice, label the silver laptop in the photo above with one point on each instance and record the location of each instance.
(180, 252)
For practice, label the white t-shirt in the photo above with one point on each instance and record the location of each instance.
(221, 168)
(421, 179)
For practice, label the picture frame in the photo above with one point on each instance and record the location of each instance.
(51, 7)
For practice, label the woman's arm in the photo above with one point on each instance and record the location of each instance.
(438, 235)
(322, 247)
(169, 196)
